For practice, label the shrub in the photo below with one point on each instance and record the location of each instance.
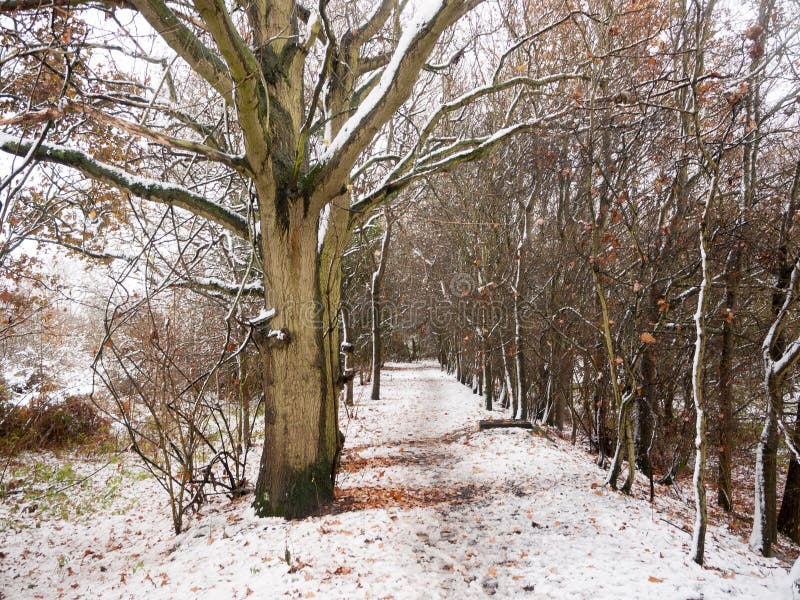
(48, 424)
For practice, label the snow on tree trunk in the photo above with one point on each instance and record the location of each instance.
(698, 481)
(764, 531)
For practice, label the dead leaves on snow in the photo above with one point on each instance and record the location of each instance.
(366, 497)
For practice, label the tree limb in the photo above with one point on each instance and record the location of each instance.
(187, 45)
(397, 179)
(397, 81)
(148, 189)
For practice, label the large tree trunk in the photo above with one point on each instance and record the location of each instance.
(301, 436)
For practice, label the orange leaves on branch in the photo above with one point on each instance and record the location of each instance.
(647, 337)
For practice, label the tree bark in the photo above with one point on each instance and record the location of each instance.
(377, 305)
(488, 384)
(764, 532)
(726, 423)
(789, 515)
(301, 437)
(643, 428)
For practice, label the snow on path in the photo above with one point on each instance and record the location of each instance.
(428, 507)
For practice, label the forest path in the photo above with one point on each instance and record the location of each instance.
(427, 507)
(513, 514)
(408, 446)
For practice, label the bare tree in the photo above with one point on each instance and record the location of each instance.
(292, 103)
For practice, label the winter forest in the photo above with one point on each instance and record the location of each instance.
(399, 299)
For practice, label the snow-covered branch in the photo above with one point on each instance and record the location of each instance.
(789, 356)
(395, 85)
(148, 189)
(214, 284)
(402, 176)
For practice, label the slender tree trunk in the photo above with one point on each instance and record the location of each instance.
(488, 380)
(507, 386)
(643, 430)
(377, 303)
(725, 385)
(478, 375)
(600, 412)
(624, 446)
(698, 363)
(789, 515)
(520, 392)
(764, 532)
(765, 515)
(347, 350)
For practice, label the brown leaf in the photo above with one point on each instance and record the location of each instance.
(647, 337)
(652, 579)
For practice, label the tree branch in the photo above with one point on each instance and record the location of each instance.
(148, 189)
(12, 5)
(397, 179)
(373, 24)
(397, 81)
(250, 93)
(187, 45)
(213, 284)
(237, 163)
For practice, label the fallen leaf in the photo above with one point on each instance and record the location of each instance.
(652, 579)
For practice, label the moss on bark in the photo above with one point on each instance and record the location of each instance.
(309, 489)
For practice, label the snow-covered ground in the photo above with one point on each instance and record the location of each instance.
(428, 507)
